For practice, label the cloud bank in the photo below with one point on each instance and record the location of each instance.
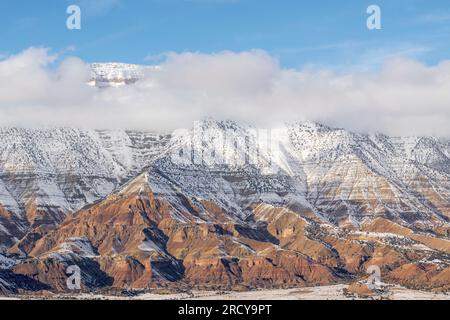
(405, 97)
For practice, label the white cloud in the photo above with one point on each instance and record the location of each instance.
(404, 98)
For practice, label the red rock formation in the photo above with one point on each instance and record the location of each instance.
(136, 239)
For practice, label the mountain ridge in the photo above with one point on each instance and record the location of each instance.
(220, 205)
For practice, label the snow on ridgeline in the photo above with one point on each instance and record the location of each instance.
(69, 168)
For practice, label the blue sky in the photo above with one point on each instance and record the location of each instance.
(325, 33)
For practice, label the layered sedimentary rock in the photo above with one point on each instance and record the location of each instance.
(48, 174)
(214, 206)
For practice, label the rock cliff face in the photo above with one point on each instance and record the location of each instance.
(220, 205)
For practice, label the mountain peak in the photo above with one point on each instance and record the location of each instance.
(111, 74)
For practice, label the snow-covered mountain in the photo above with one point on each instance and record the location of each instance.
(46, 174)
(342, 176)
(220, 203)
